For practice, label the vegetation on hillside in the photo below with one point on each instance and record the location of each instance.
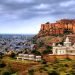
(9, 66)
(65, 67)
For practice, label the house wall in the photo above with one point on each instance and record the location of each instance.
(61, 56)
(59, 50)
(71, 57)
(51, 58)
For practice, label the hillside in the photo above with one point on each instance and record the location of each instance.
(55, 33)
(59, 67)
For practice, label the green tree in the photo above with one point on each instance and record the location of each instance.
(12, 55)
(36, 52)
(41, 43)
(48, 50)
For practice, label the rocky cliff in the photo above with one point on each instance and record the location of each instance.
(63, 26)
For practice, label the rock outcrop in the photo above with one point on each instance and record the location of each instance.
(63, 26)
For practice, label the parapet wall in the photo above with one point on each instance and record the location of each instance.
(60, 57)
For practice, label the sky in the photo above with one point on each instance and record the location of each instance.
(26, 16)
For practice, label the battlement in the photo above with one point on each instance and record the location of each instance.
(59, 27)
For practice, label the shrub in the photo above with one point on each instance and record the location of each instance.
(49, 47)
(48, 50)
(36, 52)
(31, 72)
(6, 73)
(53, 72)
(72, 72)
(12, 55)
(41, 43)
(43, 61)
(2, 64)
(68, 59)
(1, 55)
(66, 65)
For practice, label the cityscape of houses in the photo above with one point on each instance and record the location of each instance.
(16, 43)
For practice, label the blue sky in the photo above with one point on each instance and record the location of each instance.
(26, 16)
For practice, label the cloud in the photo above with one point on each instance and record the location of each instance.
(67, 3)
(20, 1)
(41, 6)
(27, 9)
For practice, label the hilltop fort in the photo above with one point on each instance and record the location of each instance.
(60, 27)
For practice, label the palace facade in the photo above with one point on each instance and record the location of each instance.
(66, 49)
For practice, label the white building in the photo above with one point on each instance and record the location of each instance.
(66, 48)
(28, 57)
(38, 58)
(31, 57)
